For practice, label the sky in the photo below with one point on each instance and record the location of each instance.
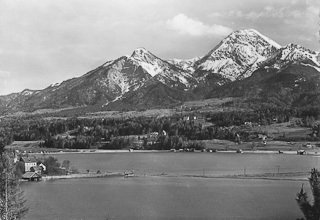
(48, 41)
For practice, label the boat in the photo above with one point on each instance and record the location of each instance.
(301, 152)
(128, 174)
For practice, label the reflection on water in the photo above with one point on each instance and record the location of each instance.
(170, 198)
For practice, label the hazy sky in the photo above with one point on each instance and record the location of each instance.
(48, 41)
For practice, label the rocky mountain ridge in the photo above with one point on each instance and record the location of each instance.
(143, 80)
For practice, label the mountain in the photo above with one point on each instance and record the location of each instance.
(244, 64)
(289, 78)
(107, 83)
(163, 71)
(237, 56)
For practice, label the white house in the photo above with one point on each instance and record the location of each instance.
(44, 168)
(28, 162)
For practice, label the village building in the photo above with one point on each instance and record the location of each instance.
(28, 162)
(42, 166)
(189, 118)
(31, 176)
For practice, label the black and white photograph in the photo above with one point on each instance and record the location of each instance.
(159, 110)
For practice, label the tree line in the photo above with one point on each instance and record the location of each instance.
(83, 133)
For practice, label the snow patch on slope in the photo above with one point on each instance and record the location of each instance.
(316, 68)
(273, 43)
(153, 70)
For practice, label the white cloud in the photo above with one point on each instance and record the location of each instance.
(188, 26)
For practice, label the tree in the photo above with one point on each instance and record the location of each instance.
(11, 196)
(52, 166)
(66, 164)
(311, 211)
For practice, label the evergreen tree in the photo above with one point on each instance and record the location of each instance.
(11, 196)
(311, 211)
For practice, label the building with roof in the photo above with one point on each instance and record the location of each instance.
(31, 176)
(28, 162)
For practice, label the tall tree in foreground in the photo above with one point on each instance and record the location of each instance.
(311, 211)
(11, 196)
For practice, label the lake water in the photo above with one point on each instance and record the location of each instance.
(163, 198)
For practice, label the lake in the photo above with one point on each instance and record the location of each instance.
(165, 198)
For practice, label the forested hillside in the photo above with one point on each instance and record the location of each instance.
(176, 131)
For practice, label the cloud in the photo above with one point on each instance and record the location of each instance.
(188, 26)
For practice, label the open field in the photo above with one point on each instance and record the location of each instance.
(210, 105)
(280, 129)
(131, 114)
(33, 147)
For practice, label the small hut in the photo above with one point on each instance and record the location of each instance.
(31, 176)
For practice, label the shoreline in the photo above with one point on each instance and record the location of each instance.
(296, 176)
(85, 151)
(293, 176)
(82, 175)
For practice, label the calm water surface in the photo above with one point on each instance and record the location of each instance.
(191, 163)
(165, 198)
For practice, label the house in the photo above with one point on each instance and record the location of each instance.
(189, 118)
(31, 176)
(43, 167)
(28, 162)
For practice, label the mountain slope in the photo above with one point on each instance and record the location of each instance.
(296, 84)
(152, 95)
(103, 84)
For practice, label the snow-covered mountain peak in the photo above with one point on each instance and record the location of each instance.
(250, 36)
(164, 71)
(27, 92)
(292, 46)
(140, 53)
(294, 52)
(147, 61)
(273, 43)
(238, 55)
